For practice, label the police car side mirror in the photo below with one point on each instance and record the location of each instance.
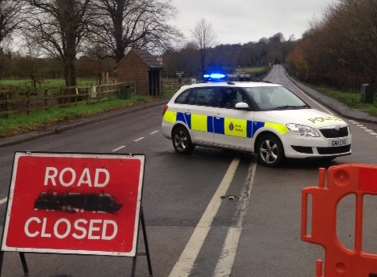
(242, 106)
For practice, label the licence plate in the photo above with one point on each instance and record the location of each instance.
(338, 142)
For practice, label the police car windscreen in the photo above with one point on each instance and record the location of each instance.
(274, 98)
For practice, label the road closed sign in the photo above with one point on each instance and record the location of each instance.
(74, 204)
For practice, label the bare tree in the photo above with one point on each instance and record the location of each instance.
(132, 23)
(10, 19)
(205, 38)
(59, 28)
(10, 11)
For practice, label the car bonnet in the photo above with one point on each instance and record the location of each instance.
(308, 117)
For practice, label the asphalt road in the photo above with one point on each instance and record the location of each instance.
(213, 213)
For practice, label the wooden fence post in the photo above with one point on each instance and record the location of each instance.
(27, 102)
(45, 100)
(4, 104)
(7, 100)
(88, 94)
(77, 93)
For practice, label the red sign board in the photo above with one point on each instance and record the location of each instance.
(74, 204)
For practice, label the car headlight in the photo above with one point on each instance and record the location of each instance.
(302, 130)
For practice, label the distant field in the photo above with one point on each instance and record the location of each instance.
(255, 70)
(49, 84)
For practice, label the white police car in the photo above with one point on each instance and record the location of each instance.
(264, 118)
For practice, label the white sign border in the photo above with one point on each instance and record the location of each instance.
(18, 155)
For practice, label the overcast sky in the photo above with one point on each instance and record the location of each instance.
(240, 21)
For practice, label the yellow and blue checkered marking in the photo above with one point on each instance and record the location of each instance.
(184, 118)
(199, 123)
(218, 125)
(233, 127)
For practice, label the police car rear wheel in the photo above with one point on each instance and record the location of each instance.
(270, 151)
(182, 140)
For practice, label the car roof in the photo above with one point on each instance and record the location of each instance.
(231, 84)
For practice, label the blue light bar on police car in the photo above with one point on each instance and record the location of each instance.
(215, 76)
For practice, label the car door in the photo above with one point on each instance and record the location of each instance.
(198, 112)
(233, 127)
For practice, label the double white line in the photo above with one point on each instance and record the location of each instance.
(228, 255)
(185, 263)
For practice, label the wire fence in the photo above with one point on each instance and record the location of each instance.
(29, 101)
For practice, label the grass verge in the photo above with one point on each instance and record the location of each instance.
(45, 84)
(350, 98)
(17, 124)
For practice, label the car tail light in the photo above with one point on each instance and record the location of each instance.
(164, 110)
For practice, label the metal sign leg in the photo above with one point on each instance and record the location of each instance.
(24, 263)
(133, 269)
(146, 245)
(1, 262)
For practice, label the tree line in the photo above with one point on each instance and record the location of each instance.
(17, 66)
(340, 50)
(100, 29)
(199, 55)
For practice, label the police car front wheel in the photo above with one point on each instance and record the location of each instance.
(182, 140)
(270, 150)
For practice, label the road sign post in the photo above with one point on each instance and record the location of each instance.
(75, 204)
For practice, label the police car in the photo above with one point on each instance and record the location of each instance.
(263, 118)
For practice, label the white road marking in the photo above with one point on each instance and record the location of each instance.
(118, 148)
(139, 139)
(3, 201)
(226, 261)
(185, 263)
(366, 129)
(154, 132)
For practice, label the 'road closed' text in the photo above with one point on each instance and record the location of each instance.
(80, 229)
(69, 177)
